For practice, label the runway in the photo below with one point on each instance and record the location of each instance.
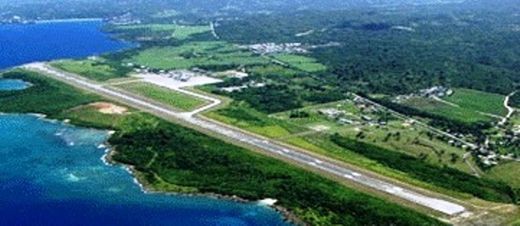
(262, 144)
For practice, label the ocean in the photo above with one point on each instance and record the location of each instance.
(53, 174)
(26, 43)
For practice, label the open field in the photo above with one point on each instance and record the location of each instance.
(507, 172)
(175, 31)
(196, 54)
(303, 63)
(465, 105)
(90, 116)
(446, 110)
(163, 95)
(273, 70)
(478, 101)
(241, 115)
(97, 69)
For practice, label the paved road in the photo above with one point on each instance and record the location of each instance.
(440, 205)
(213, 30)
(510, 110)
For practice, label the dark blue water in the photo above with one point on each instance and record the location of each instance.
(20, 44)
(13, 84)
(52, 174)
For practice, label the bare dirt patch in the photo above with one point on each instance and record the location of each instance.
(109, 108)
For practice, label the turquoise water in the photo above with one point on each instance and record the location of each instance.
(53, 174)
(13, 84)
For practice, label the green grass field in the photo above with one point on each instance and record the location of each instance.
(478, 101)
(164, 95)
(452, 112)
(507, 172)
(196, 54)
(245, 117)
(179, 32)
(273, 70)
(89, 116)
(97, 69)
(469, 106)
(303, 63)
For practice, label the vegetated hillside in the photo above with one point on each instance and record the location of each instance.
(515, 100)
(247, 4)
(394, 51)
(45, 96)
(106, 8)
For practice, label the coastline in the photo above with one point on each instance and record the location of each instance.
(147, 188)
(67, 20)
(47, 21)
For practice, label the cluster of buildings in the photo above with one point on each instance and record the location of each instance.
(432, 92)
(365, 106)
(233, 74)
(125, 19)
(340, 116)
(508, 140)
(489, 157)
(436, 91)
(252, 84)
(516, 130)
(271, 48)
(457, 143)
(345, 118)
(178, 75)
(509, 144)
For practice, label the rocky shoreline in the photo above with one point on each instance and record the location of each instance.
(148, 188)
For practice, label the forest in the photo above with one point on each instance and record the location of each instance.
(399, 52)
(515, 100)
